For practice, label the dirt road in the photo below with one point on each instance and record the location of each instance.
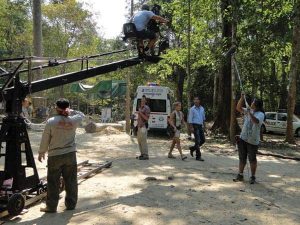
(177, 192)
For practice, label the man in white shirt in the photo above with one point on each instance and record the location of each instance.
(141, 20)
(197, 119)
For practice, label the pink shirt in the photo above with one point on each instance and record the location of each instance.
(146, 111)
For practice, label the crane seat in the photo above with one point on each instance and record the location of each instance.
(129, 31)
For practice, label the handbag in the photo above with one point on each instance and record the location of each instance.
(170, 131)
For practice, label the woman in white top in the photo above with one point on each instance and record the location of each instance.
(250, 136)
(176, 122)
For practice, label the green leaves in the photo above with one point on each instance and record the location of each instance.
(264, 33)
(15, 28)
(69, 29)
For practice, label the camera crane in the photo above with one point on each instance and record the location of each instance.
(13, 133)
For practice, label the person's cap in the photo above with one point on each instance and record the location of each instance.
(62, 103)
(145, 7)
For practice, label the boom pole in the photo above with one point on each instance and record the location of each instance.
(68, 78)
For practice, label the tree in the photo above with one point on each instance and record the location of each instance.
(233, 121)
(128, 100)
(294, 73)
(222, 120)
(15, 29)
(283, 84)
(37, 28)
(69, 31)
(37, 31)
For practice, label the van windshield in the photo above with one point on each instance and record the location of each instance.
(296, 118)
(155, 105)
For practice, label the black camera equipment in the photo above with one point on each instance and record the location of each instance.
(153, 25)
(130, 33)
(19, 179)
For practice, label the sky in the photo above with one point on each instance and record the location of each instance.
(109, 15)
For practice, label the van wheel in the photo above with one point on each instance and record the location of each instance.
(263, 129)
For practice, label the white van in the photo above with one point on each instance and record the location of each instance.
(277, 121)
(159, 102)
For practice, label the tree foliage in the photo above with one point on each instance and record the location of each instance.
(16, 28)
(69, 30)
(263, 39)
(264, 34)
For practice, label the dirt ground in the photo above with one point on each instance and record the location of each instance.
(180, 192)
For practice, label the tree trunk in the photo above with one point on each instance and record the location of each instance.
(295, 69)
(128, 81)
(37, 32)
(233, 121)
(283, 84)
(260, 39)
(273, 87)
(61, 88)
(222, 120)
(128, 103)
(188, 68)
(180, 74)
(215, 98)
(61, 91)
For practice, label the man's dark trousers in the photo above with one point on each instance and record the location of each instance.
(199, 139)
(66, 166)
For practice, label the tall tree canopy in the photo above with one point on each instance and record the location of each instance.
(264, 31)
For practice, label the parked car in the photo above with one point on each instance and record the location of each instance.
(276, 122)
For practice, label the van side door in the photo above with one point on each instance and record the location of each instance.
(281, 122)
(270, 122)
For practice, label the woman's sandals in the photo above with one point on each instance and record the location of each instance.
(170, 156)
(183, 157)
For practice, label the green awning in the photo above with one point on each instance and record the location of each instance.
(119, 88)
(79, 88)
(104, 89)
(109, 89)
